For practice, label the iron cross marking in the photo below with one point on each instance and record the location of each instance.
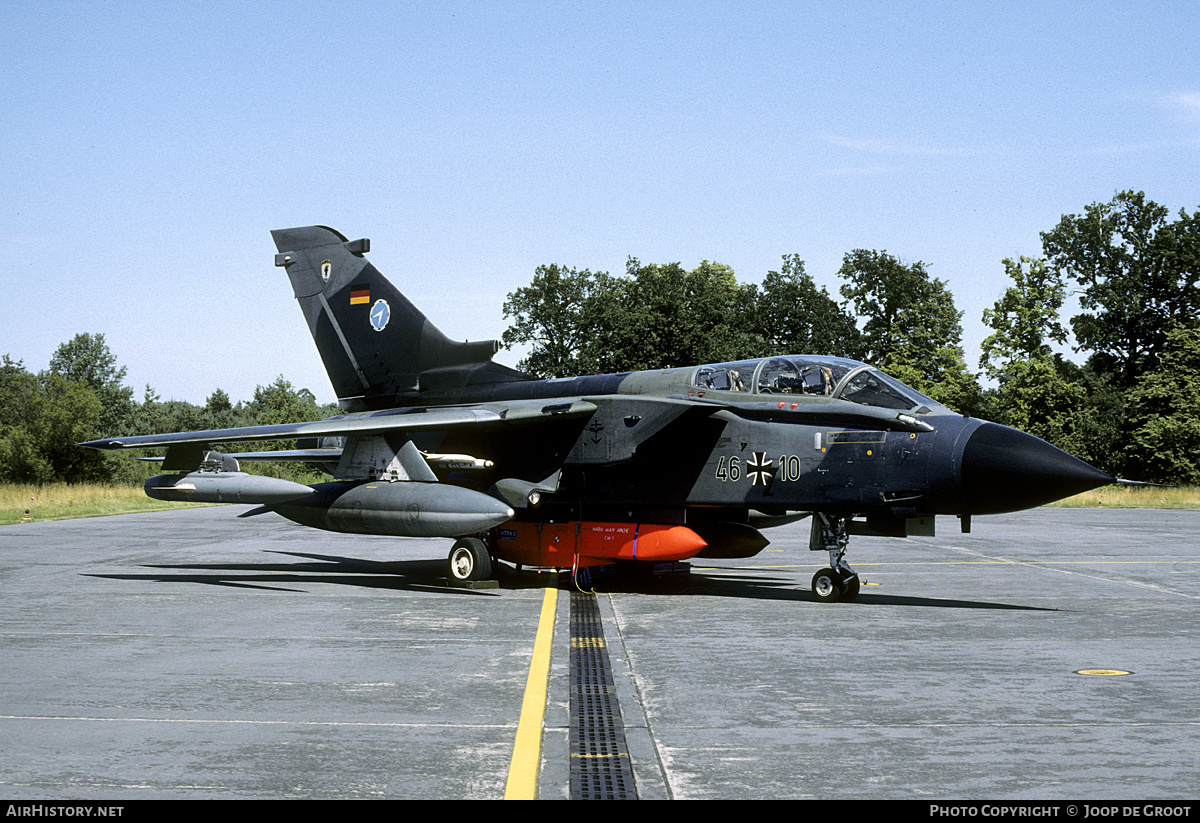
(759, 469)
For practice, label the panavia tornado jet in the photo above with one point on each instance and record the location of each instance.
(650, 467)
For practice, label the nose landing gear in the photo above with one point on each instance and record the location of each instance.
(839, 582)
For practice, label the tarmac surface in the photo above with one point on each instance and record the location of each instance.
(192, 654)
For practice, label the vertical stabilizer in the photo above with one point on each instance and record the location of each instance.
(375, 344)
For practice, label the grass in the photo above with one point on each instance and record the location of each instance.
(62, 501)
(1136, 497)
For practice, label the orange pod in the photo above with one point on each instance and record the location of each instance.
(582, 543)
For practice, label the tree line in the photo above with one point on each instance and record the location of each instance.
(82, 396)
(1131, 406)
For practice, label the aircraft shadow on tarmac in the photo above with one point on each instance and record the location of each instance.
(747, 584)
(429, 575)
(411, 575)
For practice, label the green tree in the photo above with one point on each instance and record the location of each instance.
(219, 412)
(17, 389)
(673, 317)
(563, 315)
(1164, 412)
(797, 317)
(1025, 321)
(910, 326)
(156, 416)
(656, 316)
(1035, 392)
(39, 446)
(150, 417)
(1037, 399)
(280, 402)
(1100, 422)
(20, 456)
(87, 359)
(42, 417)
(71, 414)
(1138, 270)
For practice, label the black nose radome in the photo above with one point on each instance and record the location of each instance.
(1005, 470)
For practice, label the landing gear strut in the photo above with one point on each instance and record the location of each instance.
(839, 581)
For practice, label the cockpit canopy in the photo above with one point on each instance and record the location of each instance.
(834, 377)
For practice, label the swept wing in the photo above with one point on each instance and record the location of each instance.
(399, 421)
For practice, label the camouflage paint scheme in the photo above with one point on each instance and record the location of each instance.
(438, 440)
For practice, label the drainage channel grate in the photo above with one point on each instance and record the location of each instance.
(600, 767)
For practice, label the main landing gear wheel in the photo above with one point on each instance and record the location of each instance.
(469, 560)
(827, 586)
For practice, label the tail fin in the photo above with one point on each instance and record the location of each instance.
(379, 349)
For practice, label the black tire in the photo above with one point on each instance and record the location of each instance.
(827, 586)
(469, 560)
(850, 588)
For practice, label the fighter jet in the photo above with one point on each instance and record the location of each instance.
(650, 467)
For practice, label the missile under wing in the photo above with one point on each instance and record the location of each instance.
(436, 439)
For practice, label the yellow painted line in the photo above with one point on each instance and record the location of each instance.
(527, 750)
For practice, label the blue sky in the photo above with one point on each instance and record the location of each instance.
(149, 148)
